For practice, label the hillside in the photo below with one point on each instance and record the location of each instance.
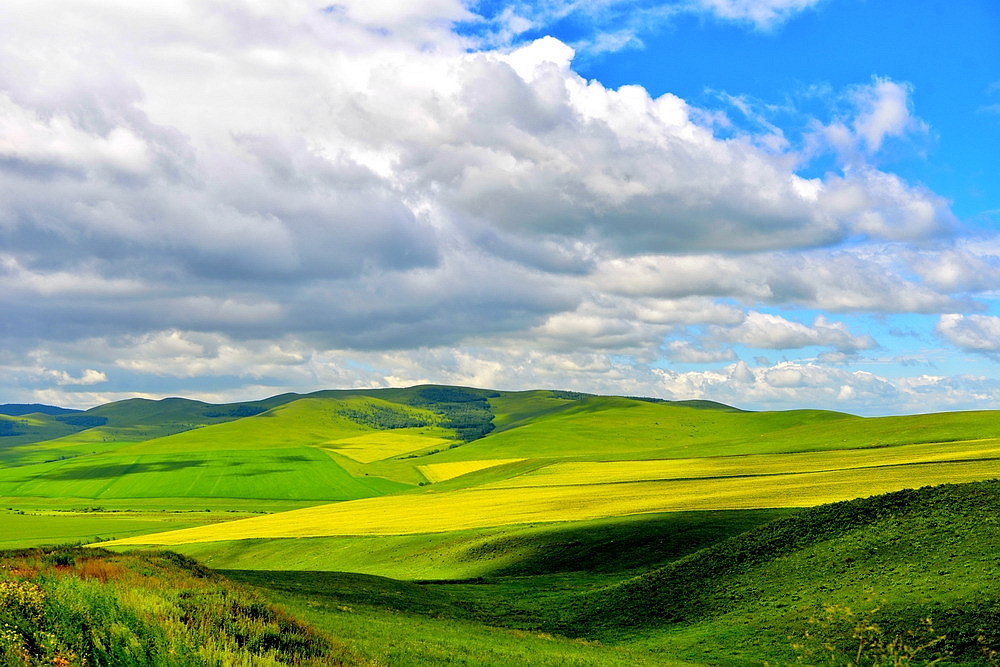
(668, 533)
(809, 586)
(892, 561)
(436, 459)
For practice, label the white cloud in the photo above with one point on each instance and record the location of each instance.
(884, 111)
(58, 143)
(685, 352)
(871, 278)
(88, 377)
(296, 195)
(969, 266)
(879, 111)
(973, 333)
(773, 332)
(763, 14)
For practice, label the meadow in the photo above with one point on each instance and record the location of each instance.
(412, 523)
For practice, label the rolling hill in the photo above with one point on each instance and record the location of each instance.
(665, 531)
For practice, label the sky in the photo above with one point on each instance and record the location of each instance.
(775, 204)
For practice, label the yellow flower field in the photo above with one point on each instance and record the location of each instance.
(610, 472)
(439, 472)
(382, 445)
(478, 508)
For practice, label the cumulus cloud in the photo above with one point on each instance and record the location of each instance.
(88, 377)
(372, 168)
(300, 195)
(972, 333)
(970, 266)
(878, 111)
(774, 385)
(686, 352)
(873, 279)
(773, 332)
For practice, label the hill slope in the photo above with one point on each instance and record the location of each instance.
(891, 561)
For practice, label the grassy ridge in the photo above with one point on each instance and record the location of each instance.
(601, 518)
(18, 431)
(893, 560)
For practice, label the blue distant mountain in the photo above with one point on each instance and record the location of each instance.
(18, 409)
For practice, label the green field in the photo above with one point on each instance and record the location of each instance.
(592, 530)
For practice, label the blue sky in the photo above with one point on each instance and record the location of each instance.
(771, 203)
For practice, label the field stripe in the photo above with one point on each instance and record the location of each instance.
(481, 508)
(611, 472)
(382, 445)
(439, 472)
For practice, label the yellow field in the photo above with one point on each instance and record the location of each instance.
(479, 508)
(611, 472)
(382, 445)
(439, 472)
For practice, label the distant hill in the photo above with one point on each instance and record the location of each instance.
(19, 409)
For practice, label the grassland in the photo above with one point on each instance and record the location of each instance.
(71, 607)
(593, 530)
(631, 544)
(805, 587)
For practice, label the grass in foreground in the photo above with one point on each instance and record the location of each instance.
(81, 607)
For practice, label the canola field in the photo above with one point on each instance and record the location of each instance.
(486, 507)
(754, 465)
(382, 445)
(440, 472)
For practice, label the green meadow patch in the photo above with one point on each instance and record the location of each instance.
(303, 473)
(20, 528)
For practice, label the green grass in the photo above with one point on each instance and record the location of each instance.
(897, 559)
(621, 428)
(303, 473)
(712, 588)
(390, 637)
(17, 432)
(301, 423)
(618, 531)
(20, 529)
(74, 607)
(619, 544)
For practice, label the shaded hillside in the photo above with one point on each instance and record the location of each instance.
(18, 409)
(895, 560)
